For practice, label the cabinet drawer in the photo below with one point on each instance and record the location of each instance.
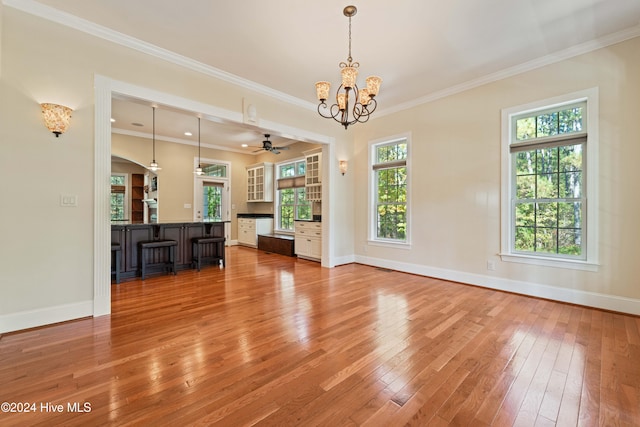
(308, 227)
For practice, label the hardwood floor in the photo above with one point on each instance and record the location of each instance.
(275, 341)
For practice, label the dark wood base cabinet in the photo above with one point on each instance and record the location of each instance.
(129, 235)
(276, 243)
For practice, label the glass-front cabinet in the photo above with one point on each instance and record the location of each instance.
(313, 175)
(260, 182)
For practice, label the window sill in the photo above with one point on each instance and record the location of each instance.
(390, 244)
(550, 262)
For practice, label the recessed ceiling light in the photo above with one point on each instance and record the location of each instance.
(188, 134)
(245, 145)
(137, 124)
(113, 120)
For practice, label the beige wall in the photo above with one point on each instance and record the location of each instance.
(48, 268)
(456, 183)
(176, 180)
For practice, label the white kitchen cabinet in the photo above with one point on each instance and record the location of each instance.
(313, 175)
(260, 182)
(249, 228)
(308, 240)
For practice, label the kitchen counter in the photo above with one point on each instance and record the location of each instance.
(129, 235)
(255, 215)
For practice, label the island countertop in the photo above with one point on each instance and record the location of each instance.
(128, 236)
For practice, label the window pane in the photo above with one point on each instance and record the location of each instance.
(570, 158)
(547, 215)
(546, 240)
(570, 242)
(570, 185)
(212, 203)
(570, 215)
(570, 120)
(525, 214)
(287, 170)
(525, 128)
(547, 160)
(525, 238)
(525, 162)
(214, 170)
(547, 186)
(117, 180)
(390, 153)
(301, 168)
(547, 125)
(391, 221)
(117, 206)
(286, 217)
(526, 187)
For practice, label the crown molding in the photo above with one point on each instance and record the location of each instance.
(553, 58)
(54, 15)
(45, 12)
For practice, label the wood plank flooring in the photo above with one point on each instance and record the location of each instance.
(275, 341)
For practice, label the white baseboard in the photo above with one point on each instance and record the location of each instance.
(572, 296)
(45, 316)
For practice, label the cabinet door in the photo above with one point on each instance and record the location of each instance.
(251, 184)
(315, 249)
(175, 232)
(302, 245)
(133, 236)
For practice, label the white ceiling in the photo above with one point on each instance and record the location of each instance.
(420, 48)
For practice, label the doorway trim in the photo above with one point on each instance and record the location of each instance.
(104, 89)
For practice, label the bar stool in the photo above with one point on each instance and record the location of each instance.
(144, 248)
(198, 245)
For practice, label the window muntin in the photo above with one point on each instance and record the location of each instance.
(390, 188)
(548, 155)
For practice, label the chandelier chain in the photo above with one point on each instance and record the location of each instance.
(349, 57)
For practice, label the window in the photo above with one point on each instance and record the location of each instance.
(212, 201)
(389, 169)
(548, 220)
(217, 170)
(291, 196)
(118, 197)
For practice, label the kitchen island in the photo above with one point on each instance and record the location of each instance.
(128, 236)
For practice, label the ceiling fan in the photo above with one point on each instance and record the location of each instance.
(268, 146)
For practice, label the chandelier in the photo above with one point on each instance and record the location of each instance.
(352, 105)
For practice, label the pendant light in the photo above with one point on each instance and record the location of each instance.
(153, 166)
(199, 170)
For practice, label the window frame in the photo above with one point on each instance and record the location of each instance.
(373, 238)
(127, 194)
(200, 180)
(277, 196)
(589, 261)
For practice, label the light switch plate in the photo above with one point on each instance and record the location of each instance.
(68, 200)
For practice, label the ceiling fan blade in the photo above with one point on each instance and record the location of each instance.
(259, 149)
(280, 148)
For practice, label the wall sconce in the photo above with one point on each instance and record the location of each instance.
(56, 117)
(343, 166)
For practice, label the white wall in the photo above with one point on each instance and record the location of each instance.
(455, 176)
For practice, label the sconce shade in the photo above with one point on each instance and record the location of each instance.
(56, 117)
(343, 166)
